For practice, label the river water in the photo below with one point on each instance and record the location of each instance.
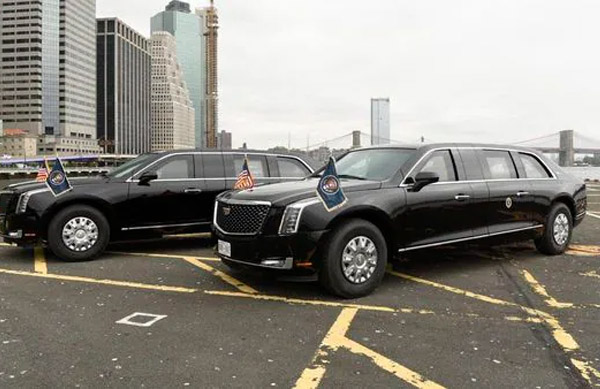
(587, 172)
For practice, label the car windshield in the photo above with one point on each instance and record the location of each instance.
(372, 164)
(130, 167)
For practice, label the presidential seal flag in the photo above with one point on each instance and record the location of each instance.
(57, 179)
(244, 179)
(329, 188)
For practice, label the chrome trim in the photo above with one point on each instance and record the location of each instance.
(411, 170)
(580, 215)
(164, 226)
(289, 263)
(301, 204)
(26, 196)
(469, 238)
(237, 202)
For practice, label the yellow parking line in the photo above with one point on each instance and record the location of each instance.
(39, 260)
(163, 288)
(592, 273)
(336, 338)
(587, 371)
(171, 256)
(223, 276)
(288, 300)
(562, 337)
(3, 244)
(541, 290)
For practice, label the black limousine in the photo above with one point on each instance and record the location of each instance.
(399, 199)
(153, 194)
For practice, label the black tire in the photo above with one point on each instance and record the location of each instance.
(331, 273)
(58, 222)
(547, 243)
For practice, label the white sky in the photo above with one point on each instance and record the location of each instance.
(479, 70)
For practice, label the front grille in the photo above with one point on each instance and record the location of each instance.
(246, 219)
(5, 202)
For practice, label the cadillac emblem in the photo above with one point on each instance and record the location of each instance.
(226, 211)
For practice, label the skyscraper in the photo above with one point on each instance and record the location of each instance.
(172, 112)
(49, 89)
(211, 27)
(380, 121)
(123, 95)
(188, 30)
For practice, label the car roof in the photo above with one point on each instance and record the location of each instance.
(429, 146)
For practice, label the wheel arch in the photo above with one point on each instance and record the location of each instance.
(93, 202)
(568, 201)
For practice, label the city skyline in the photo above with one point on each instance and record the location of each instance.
(476, 71)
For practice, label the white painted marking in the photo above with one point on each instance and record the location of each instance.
(153, 319)
(593, 215)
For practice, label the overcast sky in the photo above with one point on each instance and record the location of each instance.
(494, 71)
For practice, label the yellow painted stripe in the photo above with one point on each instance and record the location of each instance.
(3, 244)
(39, 260)
(564, 339)
(170, 256)
(592, 249)
(592, 273)
(541, 290)
(136, 285)
(312, 302)
(223, 276)
(588, 372)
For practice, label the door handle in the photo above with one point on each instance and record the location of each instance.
(522, 193)
(193, 190)
(461, 197)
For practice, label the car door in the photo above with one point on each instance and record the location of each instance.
(438, 212)
(542, 184)
(210, 167)
(510, 204)
(169, 200)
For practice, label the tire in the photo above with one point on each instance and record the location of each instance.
(331, 273)
(85, 247)
(549, 244)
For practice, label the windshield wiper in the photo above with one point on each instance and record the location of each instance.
(350, 176)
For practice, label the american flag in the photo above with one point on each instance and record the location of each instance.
(244, 179)
(42, 175)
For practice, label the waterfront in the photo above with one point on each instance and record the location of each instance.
(585, 172)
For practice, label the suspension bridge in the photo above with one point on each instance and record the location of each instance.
(566, 144)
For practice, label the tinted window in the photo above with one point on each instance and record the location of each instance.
(213, 166)
(176, 167)
(256, 163)
(499, 164)
(533, 167)
(127, 169)
(378, 164)
(471, 164)
(289, 167)
(440, 162)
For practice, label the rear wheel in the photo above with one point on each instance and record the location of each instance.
(558, 229)
(78, 233)
(354, 259)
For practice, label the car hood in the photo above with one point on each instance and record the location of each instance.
(22, 187)
(288, 192)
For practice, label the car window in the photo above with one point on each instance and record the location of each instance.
(176, 167)
(213, 166)
(471, 164)
(499, 164)
(441, 163)
(533, 167)
(289, 167)
(256, 163)
(373, 164)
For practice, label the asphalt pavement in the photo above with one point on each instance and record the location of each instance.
(168, 314)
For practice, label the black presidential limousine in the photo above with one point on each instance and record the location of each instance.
(153, 194)
(399, 199)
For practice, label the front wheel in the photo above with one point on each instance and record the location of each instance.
(558, 229)
(354, 259)
(78, 233)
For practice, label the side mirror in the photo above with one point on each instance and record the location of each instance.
(146, 177)
(423, 179)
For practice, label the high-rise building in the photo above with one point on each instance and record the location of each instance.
(380, 121)
(211, 27)
(172, 111)
(188, 30)
(224, 140)
(123, 93)
(48, 72)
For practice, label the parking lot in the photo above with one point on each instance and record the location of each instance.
(464, 316)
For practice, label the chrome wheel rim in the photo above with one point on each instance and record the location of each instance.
(80, 234)
(359, 259)
(560, 229)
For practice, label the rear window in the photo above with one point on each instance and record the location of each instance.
(256, 163)
(499, 165)
(289, 167)
(533, 167)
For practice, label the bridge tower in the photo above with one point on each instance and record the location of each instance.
(566, 155)
(356, 139)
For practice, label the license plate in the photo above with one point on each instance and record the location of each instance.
(224, 248)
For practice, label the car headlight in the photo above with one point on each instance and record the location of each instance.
(292, 214)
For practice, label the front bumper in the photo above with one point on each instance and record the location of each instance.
(273, 251)
(21, 229)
